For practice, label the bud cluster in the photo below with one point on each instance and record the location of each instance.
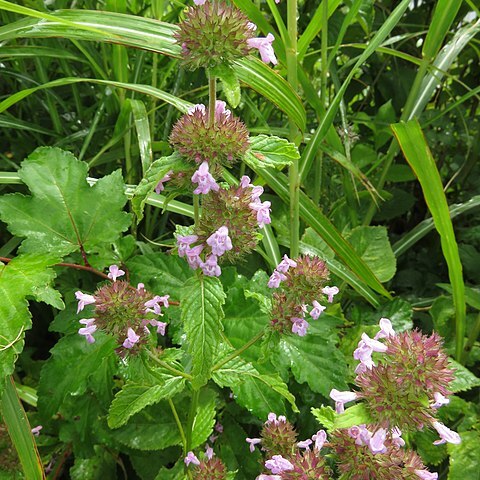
(122, 311)
(299, 283)
(209, 468)
(228, 227)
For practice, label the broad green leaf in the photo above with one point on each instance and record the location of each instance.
(25, 275)
(372, 244)
(325, 416)
(19, 430)
(157, 170)
(101, 466)
(67, 371)
(175, 473)
(64, 214)
(355, 415)
(266, 151)
(416, 151)
(134, 397)
(464, 379)
(315, 359)
(202, 315)
(464, 458)
(204, 418)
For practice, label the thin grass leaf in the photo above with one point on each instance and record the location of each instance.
(418, 155)
(20, 432)
(35, 51)
(140, 117)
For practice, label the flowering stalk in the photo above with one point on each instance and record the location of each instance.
(212, 98)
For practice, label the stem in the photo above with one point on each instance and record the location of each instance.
(191, 418)
(294, 178)
(179, 425)
(196, 208)
(212, 99)
(239, 351)
(169, 367)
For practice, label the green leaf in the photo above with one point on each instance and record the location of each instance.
(416, 151)
(134, 397)
(372, 244)
(64, 214)
(464, 379)
(230, 85)
(175, 473)
(101, 466)
(464, 458)
(19, 430)
(204, 418)
(25, 275)
(355, 415)
(67, 371)
(325, 416)
(270, 151)
(202, 315)
(315, 359)
(157, 170)
(140, 117)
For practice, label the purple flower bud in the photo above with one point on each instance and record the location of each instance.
(83, 299)
(204, 180)
(319, 438)
(141, 287)
(210, 267)
(386, 329)
(300, 326)
(253, 442)
(220, 242)
(218, 427)
(209, 453)
(375, 345)
(397, 437)
(88, 330)
(191, 458)
(275, 279)
(115, 272)
(440, 400)
(264, 45)
(245, 182)
(330, 292)
(221, 110)
(199, 107)
(272, 418)
(285, 264)
(36, 430)
(376, 443)
(132, 338)
(317, 310)
(446, 435)
(341, 398)
(160, 188)
(268, 477)
(199, 2)
(425, 475)
(184, 243)
(278, 464)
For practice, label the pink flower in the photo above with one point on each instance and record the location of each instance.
(218, 427)
(204, 180)
(200, 2)
(330, 292)
(245, 182)
(425, 475)
(440, 400)
(252, 442)
(199, 107)
(375, 345)
(209, 453)
(193, 256)
(88, 330)
(83, 299)
(257, 190)
(220, 109)
(191, 458)
(341, 398)
(285, 264)
(36, 430)
(220, 241)
(363, 353)
(317, 310)
(304, 444)
(300, 326)
(210, 267)
(161, 326)
(263, 212)
(397, 437)
(446, 435)
(376, 443)
(360, 433)
(278, 464)
(268, 477)
(386, 329)
(275, 279)
(132, 338)
(264, 45)
(184, 243)
(114, 272)
(160, 188)
(319, 438)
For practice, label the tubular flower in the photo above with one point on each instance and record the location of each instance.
(264, 45)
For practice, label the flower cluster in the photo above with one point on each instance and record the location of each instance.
(234, 213)
(216, 34)
(217, 143)
(209, 468)
(300, 283)
(122, 311)
(407, 386)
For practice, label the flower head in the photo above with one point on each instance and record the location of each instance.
(278, 436)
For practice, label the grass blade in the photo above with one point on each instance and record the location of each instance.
(20, 432)
(418, 155)
(142, 125)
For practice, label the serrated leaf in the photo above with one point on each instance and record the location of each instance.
(325, 416)
(315, 358)
(175, 473)
(465, 457)
(67, 371)
(204, 418)
(64, 213)
(26, 275)
(464, 379)
(230, 85)
(202, 315)
(356, 415)
(270, 151)
(134, 397)
(157, 170)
